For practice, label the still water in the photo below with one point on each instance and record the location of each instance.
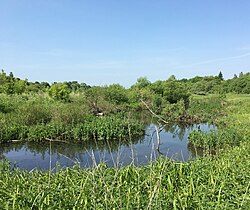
(43, 156)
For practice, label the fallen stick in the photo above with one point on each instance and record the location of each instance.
(55, 140)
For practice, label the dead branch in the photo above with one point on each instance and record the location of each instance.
(153, 112)
(55, 140)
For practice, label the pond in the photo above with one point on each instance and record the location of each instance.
(43, 156)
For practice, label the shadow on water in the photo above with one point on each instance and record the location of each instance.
(43, 156)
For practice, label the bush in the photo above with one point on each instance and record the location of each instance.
(59, 91)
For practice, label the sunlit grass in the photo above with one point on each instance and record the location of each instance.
(212, 182)
(207, 183)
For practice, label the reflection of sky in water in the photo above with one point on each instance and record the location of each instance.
(173, 145)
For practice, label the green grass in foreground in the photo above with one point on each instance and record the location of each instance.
(220, 182)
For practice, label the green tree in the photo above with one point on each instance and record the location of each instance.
(59, 91)
(8, 84)
(20, 86)
(175, 91)
(220, 76)
(44, 86)
(142, 82)
(116, 94)
(97, 100)
(172, 78)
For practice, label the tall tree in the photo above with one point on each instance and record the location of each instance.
(220, 76)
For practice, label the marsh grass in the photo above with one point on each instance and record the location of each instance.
(207, 108)
(104, 128)
(218, 182)
(207, 183)
(233, 126)
(215, 139)
(37, 118)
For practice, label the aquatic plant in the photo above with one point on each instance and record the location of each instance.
(206, 108)
(215, 139)
(104, 128)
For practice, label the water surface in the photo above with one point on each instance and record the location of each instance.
(43, 156)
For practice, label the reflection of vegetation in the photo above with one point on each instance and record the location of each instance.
(180, 129)
(196, 152)
(1, 156)
(211, 183)
(177, 130)
(76, 150)
(72, 151)
(219, 182)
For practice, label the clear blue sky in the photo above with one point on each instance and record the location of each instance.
(116, 41)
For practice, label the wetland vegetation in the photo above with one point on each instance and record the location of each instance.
(78, 113)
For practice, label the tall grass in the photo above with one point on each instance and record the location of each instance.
(233, 126)
(215, 139)
(207, 108)
(218, 182)
(208, 183)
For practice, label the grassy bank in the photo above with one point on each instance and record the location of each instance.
(232, 120)
(37, 118)
(219, 182)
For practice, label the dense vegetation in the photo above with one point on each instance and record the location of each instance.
(219, 182)
(70, 112)
(25, 106)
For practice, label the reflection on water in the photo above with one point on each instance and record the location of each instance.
(173, 144)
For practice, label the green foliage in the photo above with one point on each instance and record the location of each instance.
(158, 87)
(34, 111)
(233, 126)
(93, 128)
(11, 85)
(59, 91)
(95, 97)
(207, 108)
(74, 86)
(220, 76)
(239, 84)
(175, 91)
(141, 82)
(135, 95)
(116, 94)
(69, 113)
(219, 182)
(215, 139)
(207, 183)
(173, 112)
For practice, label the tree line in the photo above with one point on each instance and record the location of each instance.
(160, 95)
